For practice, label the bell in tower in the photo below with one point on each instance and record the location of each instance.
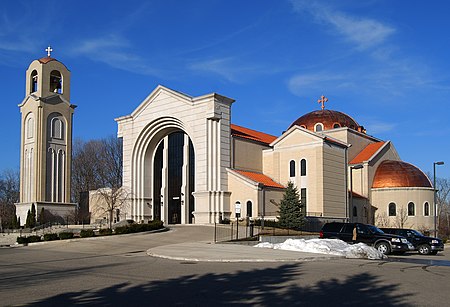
(46, 140)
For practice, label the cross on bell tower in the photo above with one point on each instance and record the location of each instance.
(322, 100)
(49, 50)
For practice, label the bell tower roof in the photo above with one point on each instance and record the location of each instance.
(47, 77)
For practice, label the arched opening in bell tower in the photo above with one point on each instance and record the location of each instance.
(56, 82)
(34, 82)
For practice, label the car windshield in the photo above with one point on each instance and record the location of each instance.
(374, 229)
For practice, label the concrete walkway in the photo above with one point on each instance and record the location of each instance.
(230, 252)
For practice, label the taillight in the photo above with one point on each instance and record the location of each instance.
(321, 234)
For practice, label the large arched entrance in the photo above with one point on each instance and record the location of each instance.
(173, 179)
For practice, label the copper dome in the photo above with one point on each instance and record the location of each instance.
(328, 118)
(396, 174)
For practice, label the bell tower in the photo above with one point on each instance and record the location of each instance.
(46, 139)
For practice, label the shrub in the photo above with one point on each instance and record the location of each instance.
(32, 239)
(133, 228)
(267, 223)
(122, 230)
(65, 235)
(86, 233)
(225, 221)
(22, 240)
(105, 232)
(50, 236)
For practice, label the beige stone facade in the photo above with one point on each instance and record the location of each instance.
(227, 171)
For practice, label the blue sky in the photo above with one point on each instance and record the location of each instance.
(385, 63)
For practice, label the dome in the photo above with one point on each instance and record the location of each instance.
(399, 174)
(329, 119)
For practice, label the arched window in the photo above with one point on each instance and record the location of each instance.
(55, 82)
(392, 209)
(411, 209)
(34, 81)
(57, 128)
(249, 208)
(303, 167)
(318, 127)
(303, 126)
(336, 125)
(292, 168)
(30, 127)
(355, 211)
(426, 209)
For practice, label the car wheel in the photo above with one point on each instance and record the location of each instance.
(383, 248)
(424, 249)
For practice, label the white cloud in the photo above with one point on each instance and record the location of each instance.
(318, 83)
(228, 68)
(364, 32)
(376, 127)
(114, 51)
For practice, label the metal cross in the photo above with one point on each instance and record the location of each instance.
(49, 50)
(322, 100)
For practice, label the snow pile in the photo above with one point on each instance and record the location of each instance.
(327, 246)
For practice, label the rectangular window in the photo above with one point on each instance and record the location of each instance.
(303, 200)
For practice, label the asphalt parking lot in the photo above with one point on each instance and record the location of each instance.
(118, 271)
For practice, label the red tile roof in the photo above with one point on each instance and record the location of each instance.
(45, 60)
(252, 134)
(367, 153)
(261, 178)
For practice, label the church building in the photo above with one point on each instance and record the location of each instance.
(184, 162)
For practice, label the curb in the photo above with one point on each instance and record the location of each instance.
(243, 260)
(15, 245)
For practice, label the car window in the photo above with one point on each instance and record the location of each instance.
(363, 229)
(348, 228)
(374, 229)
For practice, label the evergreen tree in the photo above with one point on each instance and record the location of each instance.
(28, 221)
(14, 222)
(291, 214)
(42, 216)
(33, 216)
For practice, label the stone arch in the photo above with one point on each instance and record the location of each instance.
(142, 161)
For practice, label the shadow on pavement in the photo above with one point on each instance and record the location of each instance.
(265, 287)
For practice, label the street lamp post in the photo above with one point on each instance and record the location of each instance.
(358, 166)
(435, 193)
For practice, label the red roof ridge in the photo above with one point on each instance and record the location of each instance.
(367, 152)
(251, 134)
(260, 178)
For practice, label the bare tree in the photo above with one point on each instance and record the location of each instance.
(97, 165)
(9, 195)
(110, 202)
(443, 205)
(402, 217)
(85, 166)
(382, 220)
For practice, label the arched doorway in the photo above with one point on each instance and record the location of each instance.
(173, 179)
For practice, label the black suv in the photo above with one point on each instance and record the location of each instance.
(424, 245)
(368, 234)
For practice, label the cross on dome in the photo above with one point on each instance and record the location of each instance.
(49, 50)
(322, 100)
